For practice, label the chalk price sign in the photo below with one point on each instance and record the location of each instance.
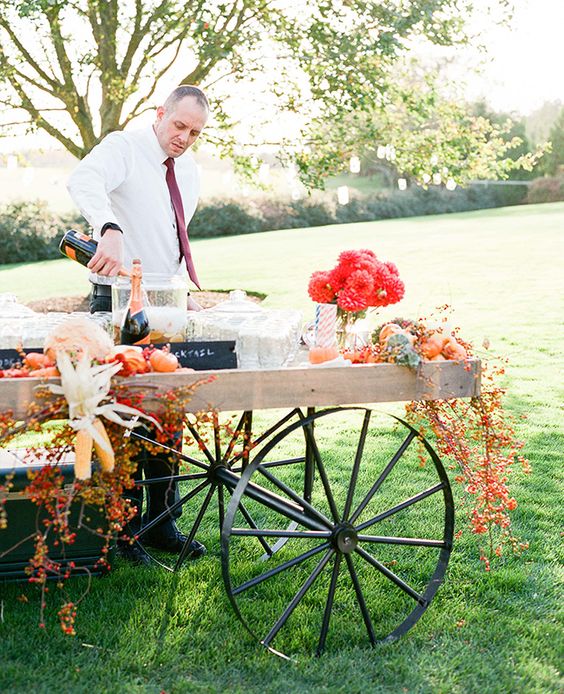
(10, 357)
(201, 356)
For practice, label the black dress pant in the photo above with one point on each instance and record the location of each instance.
(161, 495)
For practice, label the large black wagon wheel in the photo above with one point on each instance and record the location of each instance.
(214, 468)
(369, 549)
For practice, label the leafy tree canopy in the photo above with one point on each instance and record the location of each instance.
(79, 69)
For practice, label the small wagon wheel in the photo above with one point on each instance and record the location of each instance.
(371, 547)
(215, 471)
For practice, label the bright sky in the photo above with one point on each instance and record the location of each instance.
(525, 65)
(524, 68)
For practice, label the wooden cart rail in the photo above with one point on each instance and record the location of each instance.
(233, 389)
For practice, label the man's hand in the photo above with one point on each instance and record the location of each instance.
(194, 305)
(108, 259)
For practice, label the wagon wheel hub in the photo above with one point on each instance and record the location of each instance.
(345, 539)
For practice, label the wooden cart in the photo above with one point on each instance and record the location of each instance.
(335, 514)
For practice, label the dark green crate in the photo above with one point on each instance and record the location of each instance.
(24, 518)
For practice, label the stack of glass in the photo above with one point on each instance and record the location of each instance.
(264, 338)
(22, 327)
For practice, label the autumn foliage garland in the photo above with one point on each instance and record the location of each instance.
(480, 440)
(54, 496)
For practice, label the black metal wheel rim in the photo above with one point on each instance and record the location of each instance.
(351, 554)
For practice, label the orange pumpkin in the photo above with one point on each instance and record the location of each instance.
(432, 345)
(163, 361)
(37, 360)
(452, 349)
(132, 359)
(317, 355)
(46, 372)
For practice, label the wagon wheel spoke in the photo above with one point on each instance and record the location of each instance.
(247, 516)
(303, 534)
(360, 600)
(302, 514)
(322, 473)
(275, 463)
(167, 514)
(233, 440)
(278, 569)
(356, 465)
(410, 541)
(254, 529)
(195, 526)
(171, 478)
(392, 576)
(307, 507)
(267, 432)
(220, 505)
(201, 445)
(404, 504)
(297, 598)
(389, 467)
(174, 451)
(329, 605)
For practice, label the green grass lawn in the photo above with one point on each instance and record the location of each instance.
(150, 631)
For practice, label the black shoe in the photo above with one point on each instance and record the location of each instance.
(170, 539)
(133, 553)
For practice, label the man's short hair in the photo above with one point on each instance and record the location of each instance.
(182, 92)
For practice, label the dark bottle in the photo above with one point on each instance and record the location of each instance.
(135, 328)
(80, 247)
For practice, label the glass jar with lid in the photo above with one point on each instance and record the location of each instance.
(166, 303)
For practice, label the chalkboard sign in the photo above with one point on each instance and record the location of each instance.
(11, 357)
(218, 354)
(200, 356)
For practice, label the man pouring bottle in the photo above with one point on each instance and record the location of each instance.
(139, 190)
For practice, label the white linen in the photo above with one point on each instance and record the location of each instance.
(122, 180)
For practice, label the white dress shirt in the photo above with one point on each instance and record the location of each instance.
(122, 180)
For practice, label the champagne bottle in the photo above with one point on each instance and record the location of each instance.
(135, 328)
(80, 247)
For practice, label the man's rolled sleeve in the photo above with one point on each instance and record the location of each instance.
(100, 172)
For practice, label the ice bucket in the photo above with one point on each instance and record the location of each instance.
(166, 303)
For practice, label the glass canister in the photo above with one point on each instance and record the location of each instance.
(166, 302)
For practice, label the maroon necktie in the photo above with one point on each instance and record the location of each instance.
(180, 223)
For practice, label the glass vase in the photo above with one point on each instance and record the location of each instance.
(349, 337)
(324, 347)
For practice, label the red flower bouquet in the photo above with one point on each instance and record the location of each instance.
(358, 281)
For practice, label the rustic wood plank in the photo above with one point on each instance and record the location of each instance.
(234, 389)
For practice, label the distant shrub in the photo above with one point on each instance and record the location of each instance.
(224, 218)
(30, 231)
(514, 194)
(310, 213)
(220, 218)
(546, 190)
